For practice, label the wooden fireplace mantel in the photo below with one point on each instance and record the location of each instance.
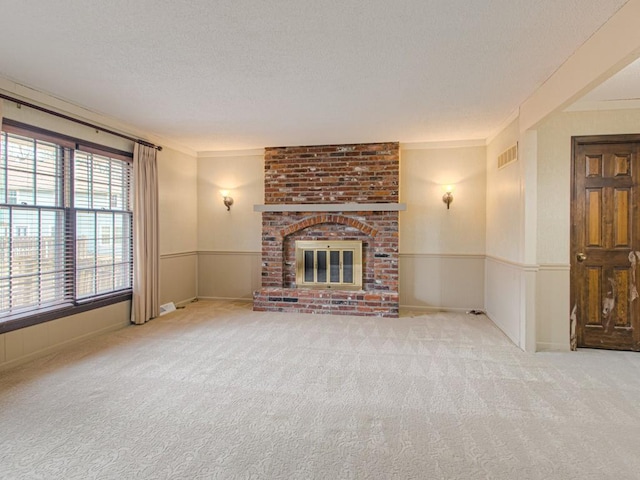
(331, 207)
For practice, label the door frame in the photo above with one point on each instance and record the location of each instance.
(577, 141)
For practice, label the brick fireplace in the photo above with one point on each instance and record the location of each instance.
(331, 192)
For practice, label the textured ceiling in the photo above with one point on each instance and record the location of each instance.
(237, 74)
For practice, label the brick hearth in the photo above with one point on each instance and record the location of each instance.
(332, 175)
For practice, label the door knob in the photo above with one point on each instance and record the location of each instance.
(581, 257)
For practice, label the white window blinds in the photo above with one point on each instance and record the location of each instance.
(65, 224)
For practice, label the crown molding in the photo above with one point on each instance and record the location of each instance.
(443, 144)
(259, 152)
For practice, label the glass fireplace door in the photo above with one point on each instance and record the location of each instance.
(321, 264)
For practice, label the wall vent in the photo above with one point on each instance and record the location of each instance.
(510, 155)
(167, 308)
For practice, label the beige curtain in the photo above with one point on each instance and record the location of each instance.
(146, 257)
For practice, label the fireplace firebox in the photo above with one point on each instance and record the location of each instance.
(323, 264)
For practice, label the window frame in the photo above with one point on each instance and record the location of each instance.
(17, 321)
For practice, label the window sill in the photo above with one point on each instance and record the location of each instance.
(15, 322)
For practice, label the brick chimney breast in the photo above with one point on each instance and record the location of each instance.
(332, 175)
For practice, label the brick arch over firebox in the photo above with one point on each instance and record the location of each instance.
(328, 218)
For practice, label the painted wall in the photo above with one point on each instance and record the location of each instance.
(239, 229)
(427, 227)
(554, 203)
(178, 209)
(178, 202)
(504, 199)
(229, 242)
(504, 268)
(28, 343)
(442, 251)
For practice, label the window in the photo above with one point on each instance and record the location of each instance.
(66, 223)
(103, 229)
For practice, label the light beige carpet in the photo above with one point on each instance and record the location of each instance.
(218, 391)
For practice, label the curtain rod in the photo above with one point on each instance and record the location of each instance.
(81, 122)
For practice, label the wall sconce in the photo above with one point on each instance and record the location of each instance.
(448, 196)
(226, 199)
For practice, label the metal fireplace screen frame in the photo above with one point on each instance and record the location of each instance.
(335, 264)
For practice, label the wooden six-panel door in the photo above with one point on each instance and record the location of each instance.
(605, 246)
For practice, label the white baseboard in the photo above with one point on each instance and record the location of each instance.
(551, 347)
(234, 299)
(183, 303)
(420, 308)
(423, 308)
